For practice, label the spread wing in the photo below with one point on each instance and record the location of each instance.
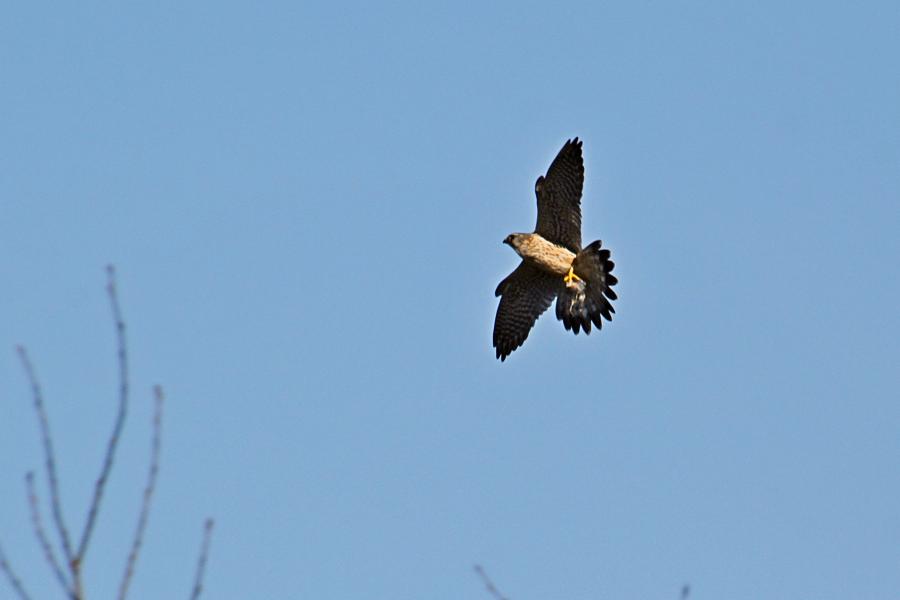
(559, 198)
(524, 295)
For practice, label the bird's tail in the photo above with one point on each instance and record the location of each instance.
(586, 297)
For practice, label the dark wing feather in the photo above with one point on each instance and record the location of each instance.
(559, 198)
(524, 295)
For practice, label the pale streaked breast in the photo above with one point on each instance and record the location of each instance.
(546, 255)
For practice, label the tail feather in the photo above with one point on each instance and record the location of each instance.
(581, 303)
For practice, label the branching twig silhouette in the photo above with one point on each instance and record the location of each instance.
(74, 560)
(488, 584)
(41, 535)
(201, 560)
(148, 494)
(49, 458)
(120, 415)
(11, 576)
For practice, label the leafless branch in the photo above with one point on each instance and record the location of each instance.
(488, 584)
(71, 581)
(120, 415)
(201, 560)
(49, 457)
(148, 493)
(14, 580)
(38, 525)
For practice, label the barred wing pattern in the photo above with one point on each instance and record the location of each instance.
(559, 198)
(524, 295)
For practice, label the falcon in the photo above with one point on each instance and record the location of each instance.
(554, 265)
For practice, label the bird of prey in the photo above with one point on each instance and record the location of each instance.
(554, 265)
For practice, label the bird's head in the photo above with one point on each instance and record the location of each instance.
(514, 240)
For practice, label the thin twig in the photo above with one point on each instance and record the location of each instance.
(37, 524)
(201, 560)
(14, 580)
(120, 416)
(148, 493)
(49, 457)
(491, 588)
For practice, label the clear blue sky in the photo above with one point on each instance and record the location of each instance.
(306, 203)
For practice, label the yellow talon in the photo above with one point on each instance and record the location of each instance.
(571, 277)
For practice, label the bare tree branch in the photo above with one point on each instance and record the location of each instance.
(49, 457)
(14, 580)
(148, 493)
(74, 560)
(201, 560)
(120, 415)
(37, 524)
(488, 584)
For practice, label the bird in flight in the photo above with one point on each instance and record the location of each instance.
(554, 265)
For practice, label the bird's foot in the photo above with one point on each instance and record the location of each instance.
(571, 277)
